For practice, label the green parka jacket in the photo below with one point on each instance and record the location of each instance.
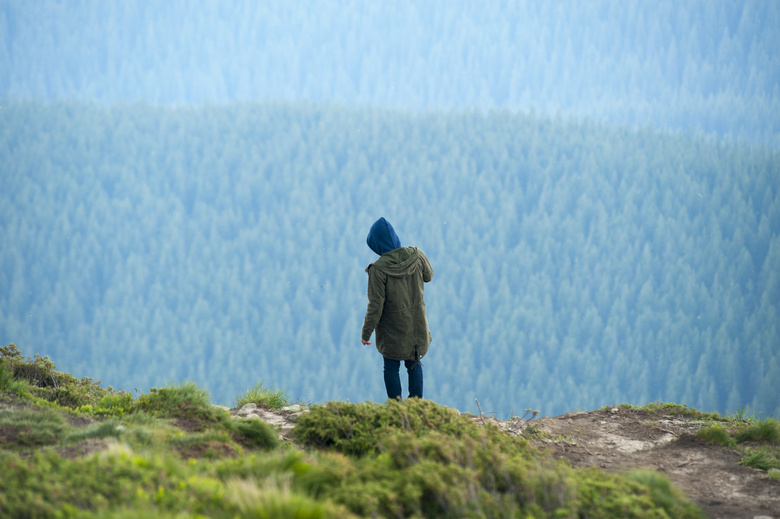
(396, 304)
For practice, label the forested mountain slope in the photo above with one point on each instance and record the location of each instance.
(575, 264)
(708, 65)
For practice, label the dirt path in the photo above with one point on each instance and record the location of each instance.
(621, 439)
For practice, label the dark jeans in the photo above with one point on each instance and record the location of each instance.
(393, 380)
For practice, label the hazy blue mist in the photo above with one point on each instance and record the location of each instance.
(185, 189)
(701, 65)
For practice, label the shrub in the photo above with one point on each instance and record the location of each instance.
(10, 351)
(41, 378)
(186, 403)
(663, 495)
(636, 494)
(9, 383)
(170, 401)
(357, 429)
(254, 433)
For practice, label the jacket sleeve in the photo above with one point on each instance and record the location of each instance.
(376, 301)
(427, 269)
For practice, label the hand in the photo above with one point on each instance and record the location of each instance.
(365, 343)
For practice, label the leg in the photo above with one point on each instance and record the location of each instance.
(392, 379)
(415, 370)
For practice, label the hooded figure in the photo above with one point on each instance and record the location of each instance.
(396, 306)
(382, 237)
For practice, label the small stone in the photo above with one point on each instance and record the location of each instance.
(295, 408)
(614, 410)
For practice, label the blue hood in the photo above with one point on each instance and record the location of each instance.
(382, 237)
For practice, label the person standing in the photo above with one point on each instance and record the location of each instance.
(396, 307)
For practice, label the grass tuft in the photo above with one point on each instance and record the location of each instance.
(715, 434)
(263, 397)
(742, 415)
(26, 428)
(761, 458)
(107, 429)
(761, 431)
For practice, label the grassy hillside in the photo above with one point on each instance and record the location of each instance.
(70, 448)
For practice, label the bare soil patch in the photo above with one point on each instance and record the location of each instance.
(621, 439)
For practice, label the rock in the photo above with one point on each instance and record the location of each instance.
(247, 409)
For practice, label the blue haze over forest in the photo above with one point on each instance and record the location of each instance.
(187, 186)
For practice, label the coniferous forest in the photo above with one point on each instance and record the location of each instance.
(597, 186)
